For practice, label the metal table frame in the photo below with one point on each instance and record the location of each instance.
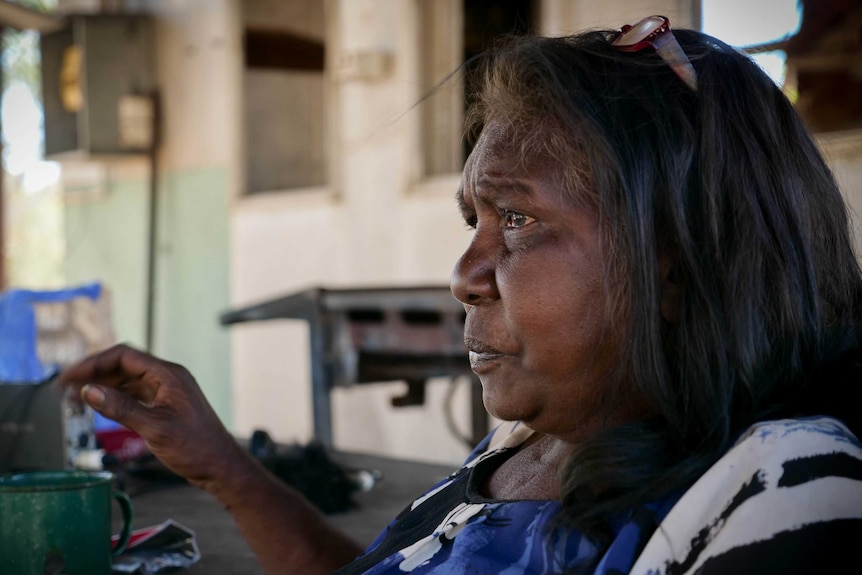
(368, 335)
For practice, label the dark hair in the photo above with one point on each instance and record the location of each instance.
(726, 185)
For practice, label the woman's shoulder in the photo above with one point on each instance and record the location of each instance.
(794, 438)
(787, 495)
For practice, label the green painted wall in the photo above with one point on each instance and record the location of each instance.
(106, 240)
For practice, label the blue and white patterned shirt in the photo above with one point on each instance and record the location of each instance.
(786, 493)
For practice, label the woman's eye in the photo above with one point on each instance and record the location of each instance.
(516, 219)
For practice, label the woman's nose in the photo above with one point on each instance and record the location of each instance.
(473, 278)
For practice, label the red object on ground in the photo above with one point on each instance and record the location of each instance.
(122, 443)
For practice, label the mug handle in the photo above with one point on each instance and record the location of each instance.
(128, 515)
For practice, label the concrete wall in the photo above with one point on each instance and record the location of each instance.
(197, 66)
(106, 241)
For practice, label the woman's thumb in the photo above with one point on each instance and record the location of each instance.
(93, 395)
(113, 404)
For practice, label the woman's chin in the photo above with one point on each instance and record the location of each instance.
(504, 410)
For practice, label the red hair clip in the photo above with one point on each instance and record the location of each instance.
(655, 31)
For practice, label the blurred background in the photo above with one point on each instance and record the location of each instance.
(196, 158)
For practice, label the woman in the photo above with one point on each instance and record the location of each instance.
(663, 299)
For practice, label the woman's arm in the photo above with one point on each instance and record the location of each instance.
(163, 404)
(286, 533)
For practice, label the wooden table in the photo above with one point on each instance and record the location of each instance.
(225, 552)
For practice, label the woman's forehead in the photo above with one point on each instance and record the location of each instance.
(495, 151)
(501, 153)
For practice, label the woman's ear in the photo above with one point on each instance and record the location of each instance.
(671, 289)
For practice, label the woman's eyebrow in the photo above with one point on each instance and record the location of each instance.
(493, 186)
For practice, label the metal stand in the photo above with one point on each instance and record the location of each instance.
(373, 335)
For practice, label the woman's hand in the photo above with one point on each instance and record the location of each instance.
(161, 402)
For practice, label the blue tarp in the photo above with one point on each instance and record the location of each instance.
(19, 362)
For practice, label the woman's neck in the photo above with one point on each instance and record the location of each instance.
(531, 473)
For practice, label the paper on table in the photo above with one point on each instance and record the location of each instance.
(169, 545)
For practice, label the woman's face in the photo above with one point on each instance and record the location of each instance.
(531, 281)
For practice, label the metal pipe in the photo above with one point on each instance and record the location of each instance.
(152, 243)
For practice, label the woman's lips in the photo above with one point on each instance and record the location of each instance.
(480, 354)
(479, 360)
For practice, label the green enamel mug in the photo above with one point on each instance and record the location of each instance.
(59, 523)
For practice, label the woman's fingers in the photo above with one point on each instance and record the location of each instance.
(162, 402)
(120, 367)
(115, 405)
(150, 381)
(111, 366)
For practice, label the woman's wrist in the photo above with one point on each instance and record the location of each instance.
(232, 476)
